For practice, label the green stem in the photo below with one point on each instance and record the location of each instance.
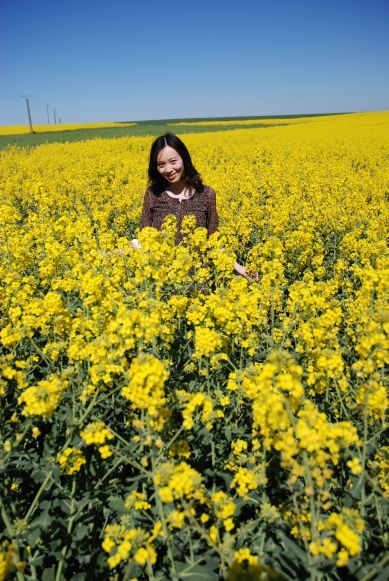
(203, 533)
(20, 440)
(11, 533)
(164, 525)
(37, 496)
(378, 514)
(341, 400)
(34, 344)
(69, 530)
(109, 394)
(133, 463)
(112, 469)
(364, 449)
(172, 440)
(89, 408)
(377, 569)
(150, 571)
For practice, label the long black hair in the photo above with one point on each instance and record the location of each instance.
(191, 176)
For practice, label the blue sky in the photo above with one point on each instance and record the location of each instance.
(116, 60)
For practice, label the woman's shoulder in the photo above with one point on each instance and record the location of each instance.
(209, 193)
(208, 190)
(150, 195)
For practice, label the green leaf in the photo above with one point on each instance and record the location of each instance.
(117, 504)
(195, 572)
(48, 574)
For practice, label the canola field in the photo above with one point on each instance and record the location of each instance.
(164, 418)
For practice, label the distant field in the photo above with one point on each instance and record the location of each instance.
(25, 129)
(67, 133)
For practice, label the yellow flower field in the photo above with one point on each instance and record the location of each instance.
(22, 129)
(277, 120)
(163, 418)
(243, 122)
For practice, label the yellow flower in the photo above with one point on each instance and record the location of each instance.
(239, 446)
(137, 500)
(355, 466)
(192, 402)
(7, 446)
(36, 432)
(224, 507)
(145, 554)
(124, 544)
(244, 555)
(343, 558)
(246, 480)
(145, 390)
(207, 341)
(96, 433)
(180, 448)
(269, 512)
(71, 460)
(105, 451)
(180, 481)
(7, 559)
(42, 399)
(177, 519)
(213, 534)
(228, 524)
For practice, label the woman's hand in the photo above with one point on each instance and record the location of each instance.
(121, 251)
(111, 253)
(241, 269)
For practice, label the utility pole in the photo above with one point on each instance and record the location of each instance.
(29, 113)
(48, 118)
(55, 118)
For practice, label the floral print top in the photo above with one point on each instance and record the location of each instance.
(202, 205)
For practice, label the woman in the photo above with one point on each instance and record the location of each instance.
(175, 187)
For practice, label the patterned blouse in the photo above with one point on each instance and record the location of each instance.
(202, 205)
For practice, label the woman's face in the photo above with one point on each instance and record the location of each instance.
(170, 165)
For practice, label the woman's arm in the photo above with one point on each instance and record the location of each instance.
(212, 217)
(212, 226)
(241, 269)
(147, 218)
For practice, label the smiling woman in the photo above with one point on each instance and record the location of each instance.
(176, 187)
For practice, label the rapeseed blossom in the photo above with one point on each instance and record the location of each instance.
(71, 460)
(145, 390)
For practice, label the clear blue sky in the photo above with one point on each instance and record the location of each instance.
(116, 60)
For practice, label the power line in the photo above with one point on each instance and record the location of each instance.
(10, 95)
(13, 95)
